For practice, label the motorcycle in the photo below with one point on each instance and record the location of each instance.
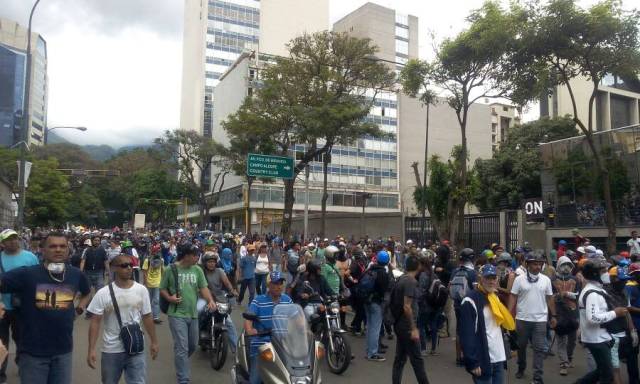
(327, 329)
(290, 357)
(215, 340)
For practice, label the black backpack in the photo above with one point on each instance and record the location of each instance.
(617, 325)
(164, 303)
(438, 294)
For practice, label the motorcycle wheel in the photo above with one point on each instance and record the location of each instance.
(218, 356)
(339, 359)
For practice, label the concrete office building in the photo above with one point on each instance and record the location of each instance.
(617, 102)
(503, 118)
(13, 59)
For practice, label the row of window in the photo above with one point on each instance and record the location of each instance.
(231, 35)
(233, 42)
(224, 48)
(219, 61)
(232, 21)
(238, 5)
(355, 171)
(342, 199)
(213, 75)
(230, 27)
(402, 47)
(242, 16)
(402, 20)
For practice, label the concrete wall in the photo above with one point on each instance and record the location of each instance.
(193, 65)
(283, 20)
(346, 224)
(444, 134)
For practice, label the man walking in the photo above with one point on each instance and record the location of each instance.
(134, 307)
(535, 305)
(247, 274)
(404, 307)
(94, 264)
(373, 304)
(47, 293)
(152, 276)
(183, 312)
(11, 258)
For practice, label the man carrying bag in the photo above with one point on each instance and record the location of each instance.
(123, 304)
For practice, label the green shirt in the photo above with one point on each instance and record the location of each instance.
(332, 276)
(191, 281)
(320, 255)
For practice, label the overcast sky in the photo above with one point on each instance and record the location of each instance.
(115, 65)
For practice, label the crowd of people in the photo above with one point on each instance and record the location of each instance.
(498, 303)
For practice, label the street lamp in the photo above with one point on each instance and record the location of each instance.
(25, 125)
(47, 130)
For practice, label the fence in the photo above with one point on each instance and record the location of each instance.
(592, 214)
(7, 216)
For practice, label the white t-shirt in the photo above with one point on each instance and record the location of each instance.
(262, 264)
(634, 246)
(532, 298)
(133, 303)
(494, 337)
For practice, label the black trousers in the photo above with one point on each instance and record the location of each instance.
(603, 374)
(632, 366)
(359, 318)
(407, 348)
(9, 322)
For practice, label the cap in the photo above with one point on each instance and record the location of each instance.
(210, 242)
(4, 235)
(590, 249)
(580, 250)
(276, 277)
(409, 241)
(624, 254)
(87, 242)
(599, 253)
(488, 270)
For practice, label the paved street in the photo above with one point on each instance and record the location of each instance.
(440, 369)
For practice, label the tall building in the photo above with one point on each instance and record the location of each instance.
(617, 102)
(503, 118)
(13, 61)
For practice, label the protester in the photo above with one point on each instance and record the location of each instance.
(535, 305)
(373, 303)
(263, 267)
(463, 280)
(566, 289)
(275, 255)
(632, 289)
(47, 293)
(247, 274)
(121, 302)
(183, 313)
(95, 264)
(404, 307)
(483, 319)
(152, 268)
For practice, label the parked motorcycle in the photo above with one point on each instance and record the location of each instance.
(290, 357)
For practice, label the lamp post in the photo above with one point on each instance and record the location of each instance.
(47, 130)
(25, 125)
(365, 196)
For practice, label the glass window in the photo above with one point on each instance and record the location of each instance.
(402, 19)
(402, 47)
(402, 32)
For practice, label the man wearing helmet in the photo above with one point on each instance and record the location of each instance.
(462, 281)
(535, 306)
(566, 288)
(311, 289)
(373, 304)
(505, 276)
(596, 313)
(334, 276)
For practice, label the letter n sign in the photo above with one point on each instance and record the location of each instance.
(533, 209)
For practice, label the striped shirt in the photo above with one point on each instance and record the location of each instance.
(262, 306)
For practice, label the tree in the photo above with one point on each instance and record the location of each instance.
(414, 78)
(513, 173)
(471, 66)
(195, 155)
(318, 96)
(48, 195)
(562, 42)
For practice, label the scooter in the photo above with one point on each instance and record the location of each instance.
(290, 357)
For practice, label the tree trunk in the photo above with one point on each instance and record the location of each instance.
(462, 198)
(289, 199)
(247, 212)
(325, 195)
(203, 206)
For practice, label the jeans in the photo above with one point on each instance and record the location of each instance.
(185, 341)
(566, 346)
(254, 377)
(45, 370)
(96, 279)
(537, 332)
(374, 322)
(154, 296)
(276, 267)
(9, 321)
(428, 324)
(134, 368)
(405, 347)
(251, 284)
(261, 283)
(601, 353)
(495, 377)
(310, 310)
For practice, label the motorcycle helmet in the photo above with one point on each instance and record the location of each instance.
(592, 269)
(467, 254)
(209, 256)
(382, 257)
(534, 256)
(331, 251)
(313, 267)
(504, 257)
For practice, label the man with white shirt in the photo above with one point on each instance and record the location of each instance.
(634, 244)
(134, 307)
(595, 314)
(534, 296)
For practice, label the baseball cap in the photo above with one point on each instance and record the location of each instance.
(4, 235)
(87, 242)
(276, 277)
(488, 270)
(409, 241)
(580, 250)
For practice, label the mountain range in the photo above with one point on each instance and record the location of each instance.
(97, 152)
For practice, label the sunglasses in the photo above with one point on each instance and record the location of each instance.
(125, 265)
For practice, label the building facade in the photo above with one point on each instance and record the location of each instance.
(13, 59)
(503, 118)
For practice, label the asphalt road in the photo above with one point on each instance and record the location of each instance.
(440, 369)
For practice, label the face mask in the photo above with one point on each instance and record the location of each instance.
(605, 278)
(565, 269)
(56, 267)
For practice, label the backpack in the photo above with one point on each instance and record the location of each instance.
(617, 325)
(164, 303)
(437, 295)
(459, 284)
(366, 285)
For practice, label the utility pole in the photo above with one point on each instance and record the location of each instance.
(306, 202)
(22, 180)
(365, 196)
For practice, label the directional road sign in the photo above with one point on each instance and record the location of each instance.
(269, 166)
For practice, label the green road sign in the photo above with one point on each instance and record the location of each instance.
(269, 166)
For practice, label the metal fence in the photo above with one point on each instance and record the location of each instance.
(7, 216)
(511, 231)
(592, 214)
(479, 230)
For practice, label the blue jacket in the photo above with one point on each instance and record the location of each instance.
(473, 336)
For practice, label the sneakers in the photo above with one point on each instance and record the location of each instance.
(563, 371)
(519, 374)
(157, 321)
(424, 352)
(433, 353)
(377, 358)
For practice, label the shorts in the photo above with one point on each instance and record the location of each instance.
(615, 359)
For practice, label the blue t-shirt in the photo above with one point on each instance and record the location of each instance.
(633, 294)
(47, 310)
(11, 262)
(248, 266)
(262, 306)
